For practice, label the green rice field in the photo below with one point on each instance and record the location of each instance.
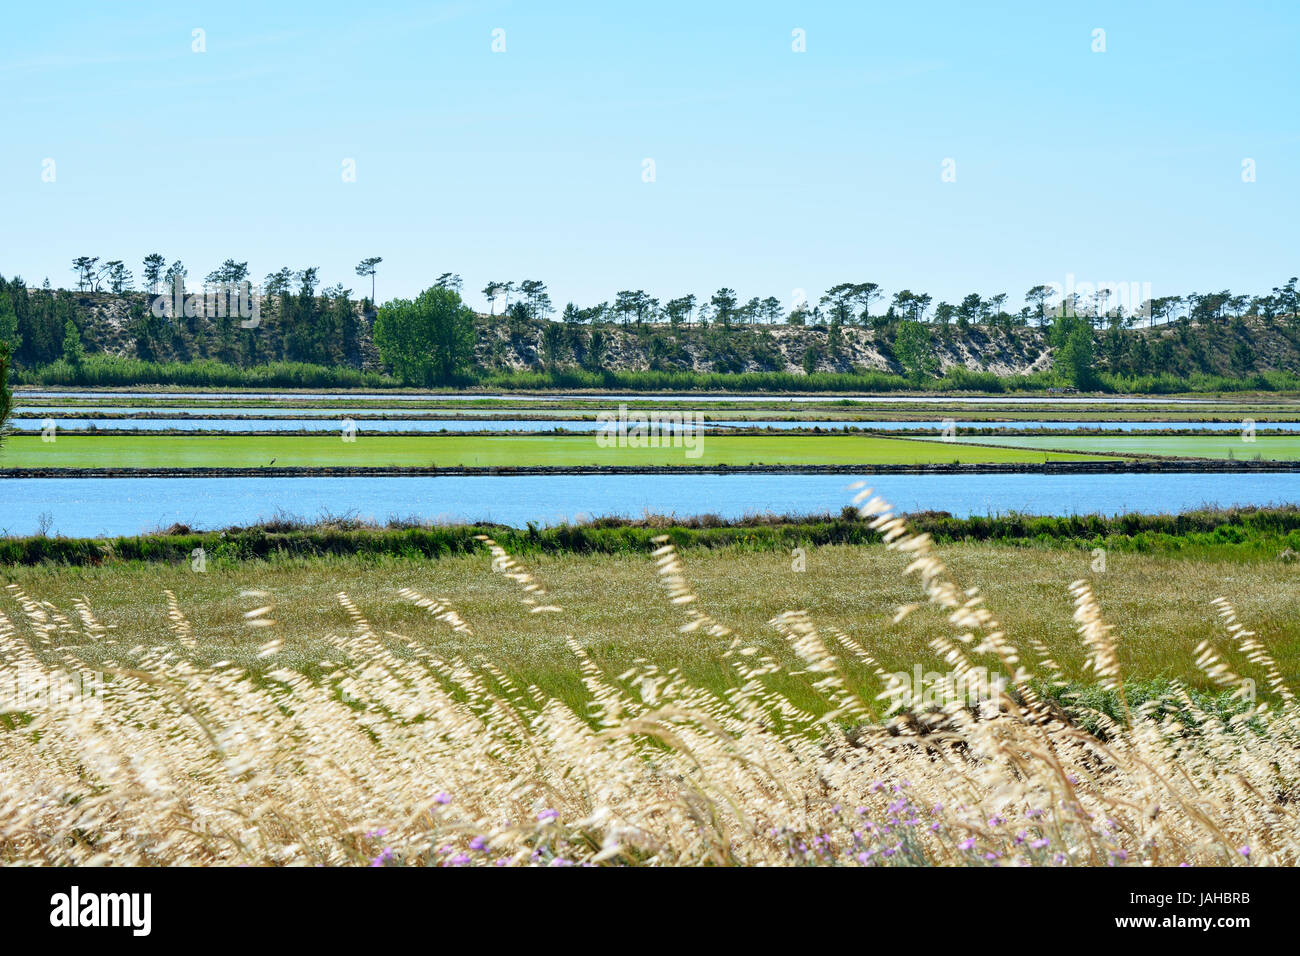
(318, 451)
(1220, 446)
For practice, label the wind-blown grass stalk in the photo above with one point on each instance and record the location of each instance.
(399, 754)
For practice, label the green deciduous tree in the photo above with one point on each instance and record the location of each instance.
(1074, 360)
(912, 349)
(429, 340)
(73, 353)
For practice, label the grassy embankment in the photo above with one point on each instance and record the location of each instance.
(1244, 534)
(102, 371)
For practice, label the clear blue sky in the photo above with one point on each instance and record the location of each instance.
(775, 170)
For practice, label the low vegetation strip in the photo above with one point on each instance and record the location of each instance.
(470, 450)
(1253, 534)
(105, 371)
(1100, 466)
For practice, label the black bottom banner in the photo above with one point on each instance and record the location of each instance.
(337, 905)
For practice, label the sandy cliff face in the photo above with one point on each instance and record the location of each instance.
(518, 345)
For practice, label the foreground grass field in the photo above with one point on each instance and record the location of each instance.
(1230, 445)
(440, 713)
(252, 451)
(617, 615)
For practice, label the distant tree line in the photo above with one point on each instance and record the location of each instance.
(846, 303)
(850, 304)
(300, 321)
(433, 337)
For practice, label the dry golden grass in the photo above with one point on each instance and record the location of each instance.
(394, 733)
